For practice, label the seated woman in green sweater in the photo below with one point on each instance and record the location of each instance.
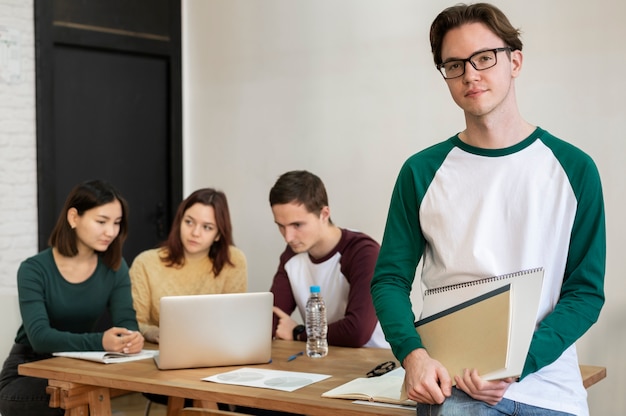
(65, 289)
(197, 258)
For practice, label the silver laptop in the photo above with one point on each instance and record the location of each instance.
(215, 330)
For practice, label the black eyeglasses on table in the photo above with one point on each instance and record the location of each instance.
(381, 369)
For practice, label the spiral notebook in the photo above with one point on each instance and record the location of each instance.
(488, 322)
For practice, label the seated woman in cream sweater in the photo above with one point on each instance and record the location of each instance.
(197, 258)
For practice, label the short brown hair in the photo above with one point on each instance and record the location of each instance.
(219, 252)
(461, 14)
(302, 187)
(83, 197)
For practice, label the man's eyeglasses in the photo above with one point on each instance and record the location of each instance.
(482, 60)
(381, 369)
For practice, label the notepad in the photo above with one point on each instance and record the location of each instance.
(485, 324)
(107, 357)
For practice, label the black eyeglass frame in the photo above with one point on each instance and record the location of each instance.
(464, 61)
(381, 369)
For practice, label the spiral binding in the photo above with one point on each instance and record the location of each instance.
(448, 288)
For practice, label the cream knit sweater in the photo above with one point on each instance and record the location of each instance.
(151, 280)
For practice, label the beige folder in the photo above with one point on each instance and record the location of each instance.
(474, 334)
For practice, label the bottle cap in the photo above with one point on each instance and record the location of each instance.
(315, 289)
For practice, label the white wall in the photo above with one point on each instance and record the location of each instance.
(18, 165)
(18, 158)
(11, 320)
(347, 89)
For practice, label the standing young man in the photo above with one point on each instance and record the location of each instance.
(319, 253)
(499, 197)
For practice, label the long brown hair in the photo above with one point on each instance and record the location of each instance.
(83, 197)
(219, 252)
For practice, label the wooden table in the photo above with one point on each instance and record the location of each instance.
(592, 374)
(85, 388)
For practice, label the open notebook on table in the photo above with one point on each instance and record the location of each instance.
(107, 357)
(383, 389)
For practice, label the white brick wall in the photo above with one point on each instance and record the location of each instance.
(18, 156)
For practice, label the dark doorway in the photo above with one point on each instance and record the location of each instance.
(109, 107)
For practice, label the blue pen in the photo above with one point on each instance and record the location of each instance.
(296, 355)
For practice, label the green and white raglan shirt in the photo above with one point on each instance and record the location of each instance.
(473, 213)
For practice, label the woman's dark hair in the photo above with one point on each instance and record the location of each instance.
(83, 197)
(302, 187)
(219, 252)
(461, 14)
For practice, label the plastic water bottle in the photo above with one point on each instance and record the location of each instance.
(316, 325)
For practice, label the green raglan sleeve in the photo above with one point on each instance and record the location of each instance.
(582, 292)
(401, 250)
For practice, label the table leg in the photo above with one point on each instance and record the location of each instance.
(205, 404)
(77, 411)
(60, 397)
(174, 404)
(99, 402)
